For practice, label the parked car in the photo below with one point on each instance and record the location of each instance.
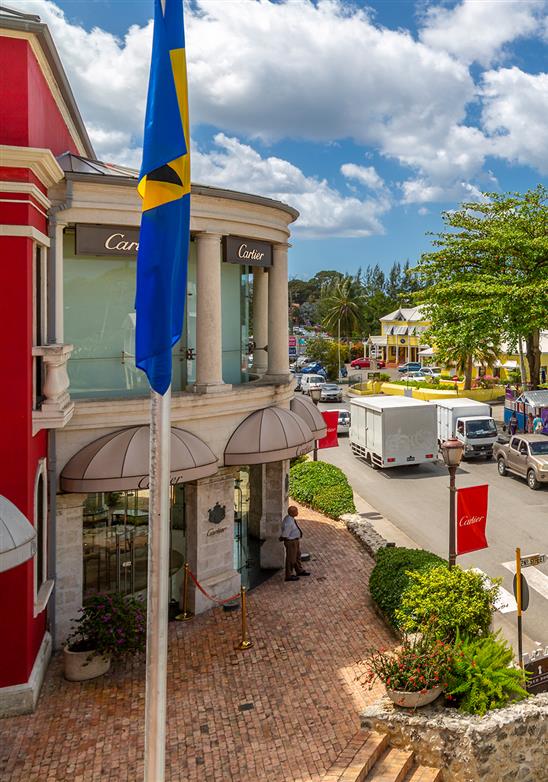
(410, 366)
(415, 376)
(361, 363)
(525, 455)
(311, 381)
(380, 363)
(431, 371)
(343, 424)
(331, 392)
(314, 368)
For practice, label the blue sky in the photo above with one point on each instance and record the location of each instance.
(370, 118)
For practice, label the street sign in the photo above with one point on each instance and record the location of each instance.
(538, 682)
(533, 559)
(524, 591)
(292, 342)
(292, 351)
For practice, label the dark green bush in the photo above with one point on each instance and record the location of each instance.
(390, 578)
(322, 486)
(335, 500)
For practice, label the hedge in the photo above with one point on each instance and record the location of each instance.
(322, 486)
(390, 579)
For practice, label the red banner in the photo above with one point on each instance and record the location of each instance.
(331, 418)
(471, 518)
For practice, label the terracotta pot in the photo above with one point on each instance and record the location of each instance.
(79, 666)
(412, 700)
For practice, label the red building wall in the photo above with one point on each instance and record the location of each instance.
(30, 118)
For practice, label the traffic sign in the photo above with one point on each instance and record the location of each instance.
(538, 681)
(292, 351)
(533, 559)
(524, 591)
(292, 342)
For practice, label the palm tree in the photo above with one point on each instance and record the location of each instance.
(343, 307)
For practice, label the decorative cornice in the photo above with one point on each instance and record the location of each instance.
(26, 232)
(40, 161)
(25, 187)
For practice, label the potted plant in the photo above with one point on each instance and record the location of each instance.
(109, 627)
(414, 673)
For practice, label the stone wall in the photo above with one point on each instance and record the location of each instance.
(506, 745)
(69, 574)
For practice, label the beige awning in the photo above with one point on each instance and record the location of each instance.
(310, 414)
(17, 536)
(118, 461)
(269, 435)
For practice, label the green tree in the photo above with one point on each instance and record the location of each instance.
(487, 279)
(343, 306)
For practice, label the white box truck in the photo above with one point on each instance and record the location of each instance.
(391, 431)
(470, 422)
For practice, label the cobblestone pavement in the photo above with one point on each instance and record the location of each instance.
(280, 711)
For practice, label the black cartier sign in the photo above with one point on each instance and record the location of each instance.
(247, 251)
(106, 240)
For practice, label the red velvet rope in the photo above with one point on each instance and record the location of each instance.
(210, 597)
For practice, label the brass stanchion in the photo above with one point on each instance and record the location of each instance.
(186, 614)
(245, 643)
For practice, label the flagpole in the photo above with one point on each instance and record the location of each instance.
(158, 587)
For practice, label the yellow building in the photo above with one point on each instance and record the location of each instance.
(400, 337)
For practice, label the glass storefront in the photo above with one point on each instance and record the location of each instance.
(99, 314)
(115, 541)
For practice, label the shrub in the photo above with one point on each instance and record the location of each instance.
(322, 486)
(480, 676)
(110, 625)
(298, 460)
(416, 666)
(384, 377)
(390, 576)
(335, 500)
(486, 381)
(455, 600)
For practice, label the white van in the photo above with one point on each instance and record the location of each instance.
(311, 381)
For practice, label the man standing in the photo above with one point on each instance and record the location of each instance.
(291, 536)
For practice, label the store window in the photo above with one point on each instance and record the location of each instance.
(99, 318)
(115, 541)
(42, 584)
(235, 293)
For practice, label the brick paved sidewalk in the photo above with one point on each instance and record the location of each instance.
(279, 712)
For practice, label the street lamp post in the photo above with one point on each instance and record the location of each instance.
(452, 454)
(315, 394)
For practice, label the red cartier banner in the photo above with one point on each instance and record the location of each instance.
(471, 518)
(331, 418)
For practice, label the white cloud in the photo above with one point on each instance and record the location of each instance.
(366, 175)
(515, 112)
(324, 71)
(323, 210)
(477, 30)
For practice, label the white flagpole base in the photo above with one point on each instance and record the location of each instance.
(158, 587)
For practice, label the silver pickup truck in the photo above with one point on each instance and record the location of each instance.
(526, 455)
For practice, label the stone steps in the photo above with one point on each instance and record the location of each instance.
(368, 757)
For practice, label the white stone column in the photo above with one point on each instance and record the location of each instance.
(209, 334)
(260, 319)
(210, 538)
(69, 575)
(278, 354)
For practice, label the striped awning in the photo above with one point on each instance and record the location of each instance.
(269, 435)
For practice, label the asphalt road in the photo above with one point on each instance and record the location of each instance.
(416, 501)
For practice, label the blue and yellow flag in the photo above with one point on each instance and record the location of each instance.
(164, 185)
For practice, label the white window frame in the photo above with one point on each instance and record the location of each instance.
(42, 591)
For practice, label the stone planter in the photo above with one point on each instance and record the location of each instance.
(78, 666)
(413, 700)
